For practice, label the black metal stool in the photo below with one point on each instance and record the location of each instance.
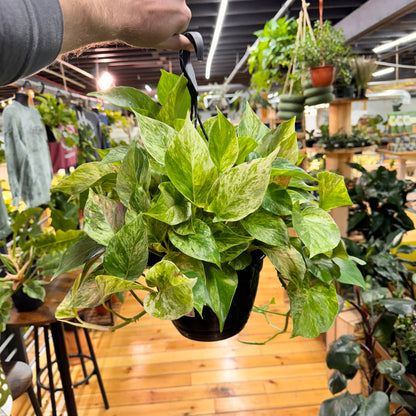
(80, 354)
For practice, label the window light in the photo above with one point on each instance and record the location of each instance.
(216, 37)
(386, 46)
(382, 72)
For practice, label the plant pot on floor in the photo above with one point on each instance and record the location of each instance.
(322, 76)
(207, 328)
(25, 303)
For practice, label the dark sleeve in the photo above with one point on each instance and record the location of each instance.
(31, 33)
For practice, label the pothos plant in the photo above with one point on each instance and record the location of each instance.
(200, 208)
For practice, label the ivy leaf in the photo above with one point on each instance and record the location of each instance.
(173, 298)
(316, 228)
(134, 170)
(223, 144)
(277, 200)
(85, 177)
(130, 99)
(332, 191)
(282, 167)
(349, 272)
(221, 285)
(171, 207)
(313, 308)
(108, 285)
(127, 253)
(266, 227)
(103, 217)
(189, 165)
(240, 191)
(115, 154)
(156, 136)
(251, 126)
(245, 146)
(200, 245)
(227, 237)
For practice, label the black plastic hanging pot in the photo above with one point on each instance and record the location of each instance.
(25, 303)
(207, 327)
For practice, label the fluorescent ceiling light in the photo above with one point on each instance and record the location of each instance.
(383, 72)
(392, 44)
(148, 88)
(217, 32)
(105, 81)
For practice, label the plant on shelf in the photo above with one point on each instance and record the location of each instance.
(59, 118)
(200, 212)
(363, 68)
(270, 58)
(28, 257)
(340, 140)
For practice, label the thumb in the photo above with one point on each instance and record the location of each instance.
(176, 42)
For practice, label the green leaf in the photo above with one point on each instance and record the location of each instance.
(108, 285)
(126, 254)
(156, 136)
(200, 245)
(349, 272)
(399, 306)
(189, 165)
(171, 207)
(251, 126)
(337, 382)
(332, 191)
(313, 308)
(155, 230)
(6, 395)
(177, 101)
(242, 261)
(282, 167)
(84, 177)
(233, 252)
(35, 290)
(277, 200)
(240, 191)
(223, 143)
(165, 85)
(245, 146)
(221, 286)
(316, 228)
(266, 227)
(377, 404)
(134, 170)
(103, 217)
(342, 353)
(82, 251)
(287, 260)
(52, 243)
(227, 236)
(393, 371)
(193, 269)
(342, 405)
(173, 298)
(115, 154)
(130, 99)
(299, 183)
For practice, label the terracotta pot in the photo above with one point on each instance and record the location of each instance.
(207, 327)
(322, 76)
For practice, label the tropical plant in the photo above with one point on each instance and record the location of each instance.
(86, 152)
(200, 208)
(271, 57)
(325, 44)
(28, 256)
(57, 116)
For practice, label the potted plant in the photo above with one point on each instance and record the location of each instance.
(363, 68)
(202, 214)
(321, 51)
(27, 261)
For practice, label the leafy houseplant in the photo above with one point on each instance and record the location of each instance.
(200, 210)
(363, 68)
(24, 265)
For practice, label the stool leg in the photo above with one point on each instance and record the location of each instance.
(96, 369)
(79, 348)
(37, 358)
(50, 373)
(34, 401)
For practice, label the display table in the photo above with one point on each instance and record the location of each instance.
(402, 157)
(44, 316)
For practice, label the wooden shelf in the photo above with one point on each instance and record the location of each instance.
(344, 151)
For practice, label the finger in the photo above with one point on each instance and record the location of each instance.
(176, 42)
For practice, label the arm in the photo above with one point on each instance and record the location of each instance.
(141, 23)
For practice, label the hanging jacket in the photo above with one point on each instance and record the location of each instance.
(28, 161)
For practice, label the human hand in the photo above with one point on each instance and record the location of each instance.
(142, 23)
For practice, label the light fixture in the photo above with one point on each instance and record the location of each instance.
(148, 88)
(382, 72)
(105, 81)
(216, 37)
(386, 46)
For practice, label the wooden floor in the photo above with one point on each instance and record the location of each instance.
(150, 370)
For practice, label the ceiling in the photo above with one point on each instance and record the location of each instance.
(138, 67)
